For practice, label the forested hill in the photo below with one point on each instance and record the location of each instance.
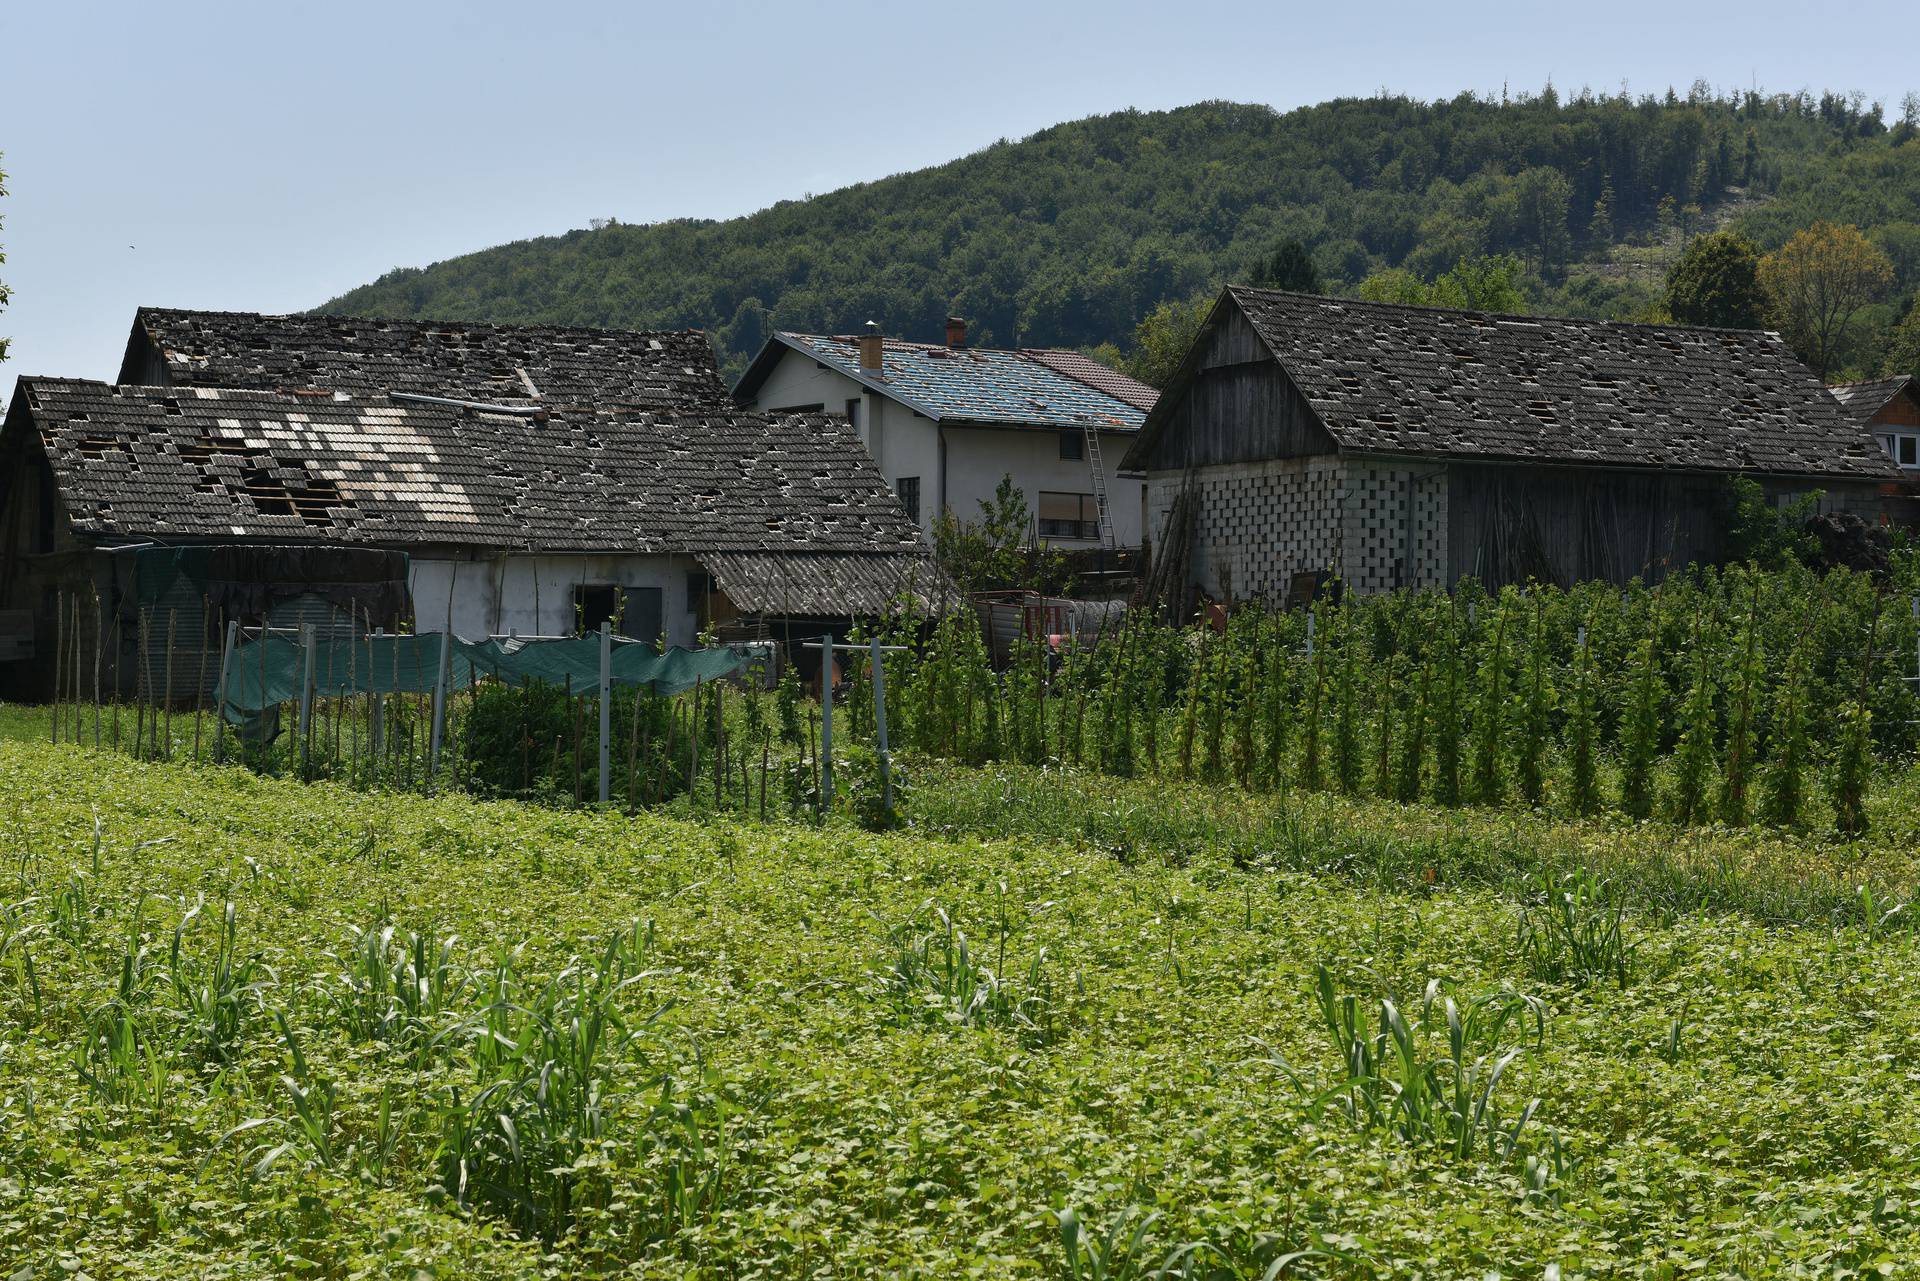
(1070, 236)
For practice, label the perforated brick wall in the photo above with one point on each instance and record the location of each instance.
(1259, 524)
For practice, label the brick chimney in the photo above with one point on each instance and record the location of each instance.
(956, 331)
(872, 360)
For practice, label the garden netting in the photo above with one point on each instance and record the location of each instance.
(264, 673)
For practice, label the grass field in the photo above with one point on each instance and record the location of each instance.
(1065, 1026)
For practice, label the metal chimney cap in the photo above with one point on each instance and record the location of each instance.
(872, 327)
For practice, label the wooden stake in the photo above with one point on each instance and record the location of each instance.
(118, 692)
(99, 620)
(166, 698)
(59, 652)
(200, 686)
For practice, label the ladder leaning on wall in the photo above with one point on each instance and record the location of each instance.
(1099, 469)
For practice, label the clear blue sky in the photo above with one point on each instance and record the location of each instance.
(269, 155)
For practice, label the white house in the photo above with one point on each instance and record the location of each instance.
(946, 423)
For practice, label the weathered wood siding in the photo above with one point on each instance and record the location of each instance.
(1240, 406)
(1509, 523)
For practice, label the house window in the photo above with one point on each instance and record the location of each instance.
(853, 414)
(1904, 448)
(633, 611)
(1068, 516)
(908, 488)
(1073, 447)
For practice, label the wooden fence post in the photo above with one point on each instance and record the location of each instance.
(606, 711)
(880, 727)
(826, 724)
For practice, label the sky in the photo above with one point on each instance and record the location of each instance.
(268, 156)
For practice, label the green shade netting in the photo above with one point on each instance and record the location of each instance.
(261, 674)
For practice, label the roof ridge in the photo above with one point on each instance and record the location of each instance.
(444, 322)
(1346, 301)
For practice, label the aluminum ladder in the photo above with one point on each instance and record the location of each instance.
(1099, 467)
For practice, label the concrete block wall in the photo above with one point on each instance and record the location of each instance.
(1377, 554)
(1260, 523)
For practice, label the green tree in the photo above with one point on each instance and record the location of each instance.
(1717, 282)
(1903, 351)
(1162, 338)
(1819, 281)
(1486, 283)
(1600, 224)
(998, 552)
(1288, 267)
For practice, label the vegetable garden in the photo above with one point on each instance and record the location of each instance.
(1331, 944)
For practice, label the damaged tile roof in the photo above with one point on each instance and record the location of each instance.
(1864, 400)
(976, 384)
(600, 368)
(199, 462)
(784, 584)
(1432, 381)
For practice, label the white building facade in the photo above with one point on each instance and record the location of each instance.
(946, 424)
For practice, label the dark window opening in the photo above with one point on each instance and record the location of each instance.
(853, 413)
(1068, 516)
(634, 612)
(1073, 446)
(908, 489)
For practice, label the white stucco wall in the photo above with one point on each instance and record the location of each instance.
(902, 443)
(533, 595)
(978, 457)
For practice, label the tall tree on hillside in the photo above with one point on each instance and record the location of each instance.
(1903, 352)
(1600, 225)
(5, 293)
(1289, 267)
(1819, 281)
(1717, 282)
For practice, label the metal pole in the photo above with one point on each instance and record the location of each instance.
(880, 727)
(439, 730)
(826, 724)
(606, 710)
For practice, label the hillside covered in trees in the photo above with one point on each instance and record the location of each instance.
(1075, 235)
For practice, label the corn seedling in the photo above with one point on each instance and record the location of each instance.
(1393, 1081)
(1572, 931)
(934, 977)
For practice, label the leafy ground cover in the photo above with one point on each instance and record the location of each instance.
(254, 1027)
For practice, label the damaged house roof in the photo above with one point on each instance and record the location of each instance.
(1864, 400)
(563, 367)
(761, 496)
(1033, 387)
(1411, 380)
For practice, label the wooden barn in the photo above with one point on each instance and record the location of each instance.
(1306, 438)
(482, 480)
